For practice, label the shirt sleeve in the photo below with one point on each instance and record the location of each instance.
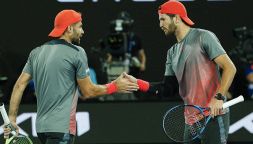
(28, 66)
(82, 68)
(168, 66)
(211, 45)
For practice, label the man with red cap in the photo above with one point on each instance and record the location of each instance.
(195, 61)
(58, 69)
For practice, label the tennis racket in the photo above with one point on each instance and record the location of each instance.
(184, 123)
(15, 139)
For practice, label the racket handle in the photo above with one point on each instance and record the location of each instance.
(4, 115)
(14, 132)
(7, 120)
(233, 101)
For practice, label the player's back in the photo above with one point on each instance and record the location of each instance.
(54, 73)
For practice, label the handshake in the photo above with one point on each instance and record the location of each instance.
(126, 84)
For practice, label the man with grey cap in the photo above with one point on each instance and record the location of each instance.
(58, 68)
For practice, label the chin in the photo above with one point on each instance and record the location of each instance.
(76, 42)
(168, 33)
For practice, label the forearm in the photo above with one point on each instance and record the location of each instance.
(163, 88)
(156, 88)
(96, 91)
(15, 100)
(226, 79)
(91, 90)
(122, 84)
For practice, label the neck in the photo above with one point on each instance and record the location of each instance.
(181, 32)
(67, 39)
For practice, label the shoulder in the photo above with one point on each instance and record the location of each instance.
(36, 50)
(205, 33)
(80, 49)
(40, 47)
(197, 32)
(205, 36)
(80, 52)
(202, 31)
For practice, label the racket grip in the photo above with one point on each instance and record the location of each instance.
(13, 132)
(7, 120)
(233, 101)
(4, 115)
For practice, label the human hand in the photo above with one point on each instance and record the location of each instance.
(7, 131)
(215, 107)
(126, 85)
(129, 77)
(9, 128)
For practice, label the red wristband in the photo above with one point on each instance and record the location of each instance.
(111, 88)
(143, 85)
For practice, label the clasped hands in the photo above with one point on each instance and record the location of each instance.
(126, 83)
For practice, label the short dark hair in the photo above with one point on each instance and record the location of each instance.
(171, 15)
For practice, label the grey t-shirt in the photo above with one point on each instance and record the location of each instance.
(55, 68)
(191, 61)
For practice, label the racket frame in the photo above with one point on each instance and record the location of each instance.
(200, 109)
(207, 118)
(8, 124)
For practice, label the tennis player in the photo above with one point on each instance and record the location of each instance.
(196, 60)
(58, 68)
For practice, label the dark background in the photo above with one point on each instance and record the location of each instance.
(137, 123)
(26, 24)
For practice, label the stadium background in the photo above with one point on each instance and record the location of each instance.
(26, 24)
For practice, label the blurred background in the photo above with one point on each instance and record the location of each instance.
(124, 35)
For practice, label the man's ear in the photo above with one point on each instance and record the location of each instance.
(177, 19)
(70, 29)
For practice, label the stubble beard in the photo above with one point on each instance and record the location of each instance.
(171, 30)
(76, 38)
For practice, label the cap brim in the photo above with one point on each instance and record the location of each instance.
(56, 32)
(188, 21)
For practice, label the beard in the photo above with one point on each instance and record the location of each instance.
(76, 40)
(171, 29)
(76, 37)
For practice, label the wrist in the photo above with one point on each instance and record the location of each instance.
(143, 85)
(219, 96)
(111, 88)
(12, 119)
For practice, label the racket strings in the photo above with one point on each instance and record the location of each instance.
(183, 123)
(196, 128)
(20, 140)
(174, 124)
(192, 131)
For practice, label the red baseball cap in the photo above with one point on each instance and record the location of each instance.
(64, 19)
(175, 7)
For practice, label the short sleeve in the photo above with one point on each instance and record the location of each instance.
(82, 68)
(211, 45)
(28, 66)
